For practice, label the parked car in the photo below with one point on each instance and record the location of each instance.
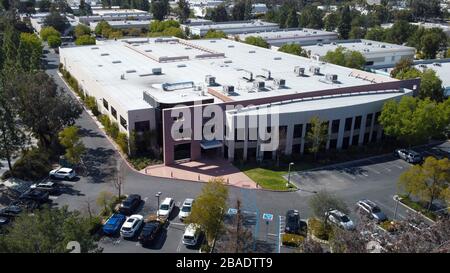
(130, 204)
(371, 210)
(191, 235)
(186, 208)
(166, 207)
(36, 195)
(131, 225)
(63, 173)
(409, 156)
(150, 231)
(292, 221)
(11, 211)
(113, 224)
(49, 186)
(340, 219)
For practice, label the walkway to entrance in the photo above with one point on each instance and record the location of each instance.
(203, 170)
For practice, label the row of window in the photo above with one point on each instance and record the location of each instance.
(123, 122)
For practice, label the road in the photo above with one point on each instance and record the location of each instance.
(374, 179)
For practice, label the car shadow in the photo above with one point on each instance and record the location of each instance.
(140, 208)
(174, 213)
(158, 242)
(69, 190)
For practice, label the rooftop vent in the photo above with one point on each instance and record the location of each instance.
(210, 80)
(299, 71)
(279, 83)
(212, 41)
(148, 50)
(383, 46)
(95, 47)
(227, 61)
(227, 89)
(230, 46)
(437, 64)
(248, 76)
(423, 65)
(259, 85)
(320, 44)
(181, 65)
(116, 62)
(266, 73)
(331, 77)
(252, 51)
(187, 48)
(314, 69)
(131, 71)
(157, 71)
(104, 54)
(277, 58)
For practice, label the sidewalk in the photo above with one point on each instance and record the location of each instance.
(203, 171)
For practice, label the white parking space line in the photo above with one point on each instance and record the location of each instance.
(180, 244)
(145, 199)
(177, 224)
(372, 169)
(380, 165)
(344, 172)
(280, 231)
(52, 197)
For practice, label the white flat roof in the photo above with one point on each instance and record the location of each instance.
(127, 23)
(116, 11)
(288, 33)
(358, 45)
(236, 24)
(191, 61)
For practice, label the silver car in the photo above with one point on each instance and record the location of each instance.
(371, 210)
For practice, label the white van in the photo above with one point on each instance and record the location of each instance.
(191, 234)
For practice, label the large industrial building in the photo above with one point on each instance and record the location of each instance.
(145, 83)
(376, 53)
(233, 27)
(303, 36)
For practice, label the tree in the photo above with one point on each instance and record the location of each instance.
(70, 139)
(12, 137)
(30, 52)
(431, 42)
(427, 181)
(119, 180)
(399, 32)
(49, 31)
(48, 231)
(42, 108)
(238, 10)
(376, 34)
(81, 30)
(213, 34)
(44, 5)
(414, 121)
(345, 21)
(10, 45)
(401, 66)
(331, 21)
(85, 40)
(292, 19)
(218, 14)
(183, 10)
(322, 202)
(431, 86)
(357, 32)
(85, 8)
(294, 49)
(57, 21)
(348, 241)
(54, 41)
(103, 28)
(103, 200)
(208, 208)
(159, 9)
(344, 57)
(317, 135)
(310, 17)
(256, 41)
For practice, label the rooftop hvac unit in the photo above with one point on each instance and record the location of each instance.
(157, 71)
(228, 89)
(210, 80)
(314, 69)
(280, 82)
(437, 64)
(258, 85)
(248, 76)
(299, 71)
(331, 77)
(383, 46)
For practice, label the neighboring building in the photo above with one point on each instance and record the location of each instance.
(444, 26)
(141, 24)
(233, 27)
(440, 66)
(303, 36)
(37, 21)
(115, 15)
(140, 83)
(376, 53)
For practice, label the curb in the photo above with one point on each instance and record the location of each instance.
(396, 197)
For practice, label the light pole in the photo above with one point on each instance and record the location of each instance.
(396, 207)
(158, 194)
(289, 174)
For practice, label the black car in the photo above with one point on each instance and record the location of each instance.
(130, 204)
(36, 195)
(150, 231)
(11, 211)
(292, 221)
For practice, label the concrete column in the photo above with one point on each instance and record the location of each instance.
(362, 130)
(351, 131)
(289, 139)
(330, 123)
(340, 138)
(231, 141)
(246, 138)
(302, 142)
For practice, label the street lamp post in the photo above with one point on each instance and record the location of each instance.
(396, 207)
(289, 174)
(158, 194)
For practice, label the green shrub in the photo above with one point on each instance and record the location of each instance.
(294, 240)
(106, 122)
(46, 32)
(318, 229)
(113, 130)
(54, 41)
(122, 141)
(92, 105)
(95, 224)
(33, 165)
(389, 226)
(143, 161)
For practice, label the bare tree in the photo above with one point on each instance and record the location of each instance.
(119, 180)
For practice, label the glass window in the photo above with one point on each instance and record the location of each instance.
(348, 124)
(358, 122)
(298, 128)
(123, 122)
(113, 112)
(105, 104)
(335, 126)
(369, 120)
(142, 126)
